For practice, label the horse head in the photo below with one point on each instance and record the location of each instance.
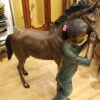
(93, 12)
(84, 9)
(93, 18)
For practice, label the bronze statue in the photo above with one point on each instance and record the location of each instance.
(70, 59)
(40, 44)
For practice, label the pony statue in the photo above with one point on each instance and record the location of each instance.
(43, 45)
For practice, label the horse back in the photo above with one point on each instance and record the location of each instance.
(32, 43)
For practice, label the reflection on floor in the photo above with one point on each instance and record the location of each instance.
(42, 81)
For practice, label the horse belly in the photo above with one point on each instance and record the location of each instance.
(40, 50)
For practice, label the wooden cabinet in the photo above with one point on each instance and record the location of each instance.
(39, 14)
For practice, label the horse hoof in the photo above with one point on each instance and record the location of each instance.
(26, 85)
(25, 73)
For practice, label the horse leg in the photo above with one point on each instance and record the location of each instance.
(99, 68)
(57, 62)
(24, 71)
(20, 68)
(58, 86)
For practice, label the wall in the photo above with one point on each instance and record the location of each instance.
(56, 9)
(37, 12)
(18, 13)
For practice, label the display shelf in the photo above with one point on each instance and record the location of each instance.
(7, 13)
(4, 35)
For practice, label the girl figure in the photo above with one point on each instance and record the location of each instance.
(77, 36)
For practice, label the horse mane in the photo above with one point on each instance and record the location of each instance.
(74, 8)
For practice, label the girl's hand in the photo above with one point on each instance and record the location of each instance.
(93, 37)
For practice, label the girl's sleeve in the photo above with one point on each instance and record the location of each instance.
(68, 54)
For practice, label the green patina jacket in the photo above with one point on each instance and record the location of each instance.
(70, 61)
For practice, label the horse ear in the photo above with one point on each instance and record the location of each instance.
(95, 5)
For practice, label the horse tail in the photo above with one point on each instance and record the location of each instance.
(8, 46)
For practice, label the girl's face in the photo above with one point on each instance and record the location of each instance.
(80, 39)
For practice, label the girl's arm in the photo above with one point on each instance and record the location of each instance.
(70, 55)
(91, 46)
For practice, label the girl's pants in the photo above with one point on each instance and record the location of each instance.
(65, 89)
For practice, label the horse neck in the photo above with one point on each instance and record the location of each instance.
(57, 31)
(57, 40)
(97, 27)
